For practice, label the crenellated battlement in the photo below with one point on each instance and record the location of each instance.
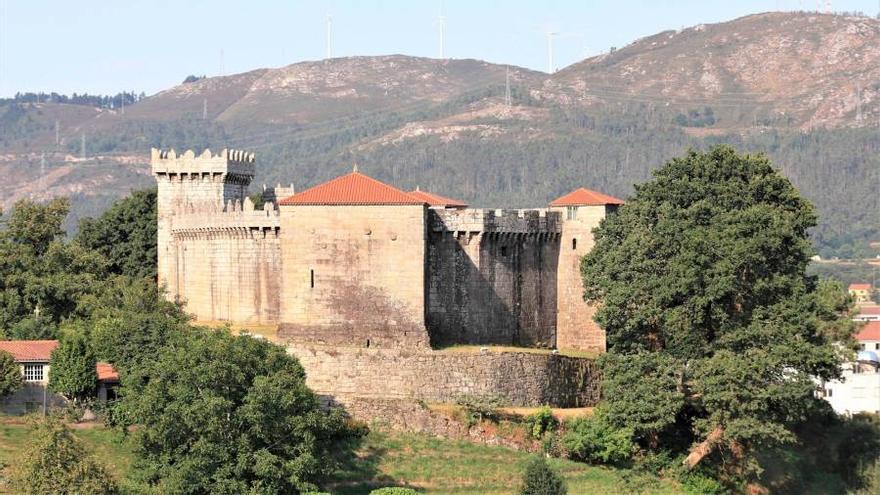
(232, 163)
(526, 221)
(233, 219)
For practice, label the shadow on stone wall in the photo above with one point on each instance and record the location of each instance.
(367, 317)
(509, 299)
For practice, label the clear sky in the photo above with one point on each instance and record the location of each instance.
(105, 46)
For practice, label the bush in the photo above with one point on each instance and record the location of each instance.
(56, 462)
(479, 408)
(541, 422)
(540, 479)
(394, 490)
(700, 484)
(594, 439)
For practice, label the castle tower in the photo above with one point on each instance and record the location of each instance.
(581, 211)
(189, 182)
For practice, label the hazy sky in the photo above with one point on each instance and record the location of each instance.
(105, 46)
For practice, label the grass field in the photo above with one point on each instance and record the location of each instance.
(431, 465)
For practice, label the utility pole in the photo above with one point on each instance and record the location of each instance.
(82, 146)
(858, 103)
(221, 62)
(123, 103)
(204, 109)
(507, 98)
(57, 134)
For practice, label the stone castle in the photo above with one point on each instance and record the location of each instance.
(374, 288)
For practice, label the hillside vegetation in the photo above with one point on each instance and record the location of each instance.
(802, 87)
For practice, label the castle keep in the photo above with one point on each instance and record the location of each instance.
(365, 282)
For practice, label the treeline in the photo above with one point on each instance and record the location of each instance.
(102, 101)
(243, 419)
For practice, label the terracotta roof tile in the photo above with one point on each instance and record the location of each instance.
(106, 372)
(436, 200)
(869, 310)
(352, 189)
(871, 331)
(585, 197)
(859, 286)
(29, 350)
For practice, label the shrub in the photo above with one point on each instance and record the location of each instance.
(594, 439)
(56, 462)
(394, 490)
(540, 479)
(541, 422)
(700, 484)
(479, 408)
(10, 375)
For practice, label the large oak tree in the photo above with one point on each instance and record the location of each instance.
(716, 334)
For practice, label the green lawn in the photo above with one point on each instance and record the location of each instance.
(429, 464)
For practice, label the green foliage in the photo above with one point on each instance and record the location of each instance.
(704, 117)
(73, 372)
(226, 415)
(36, 225)
(540, 479)
(595, 439)
(394, 490)
(57, 463)
(728, 332)
(125, 234)
(701, 484)
(10, 375)
(43, 279)
(541, 422)
(480, 407)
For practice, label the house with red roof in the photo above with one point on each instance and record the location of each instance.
(35, 357)
(861, 292)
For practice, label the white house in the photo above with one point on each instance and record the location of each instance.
(859, 390)
(34, 358)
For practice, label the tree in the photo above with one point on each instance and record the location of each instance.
(540, 479)
(715, 332)
(73, 373)
(37, 225)
(57, 463)
(222, 414)
(125, 234)
(10, 375)
(42, 278)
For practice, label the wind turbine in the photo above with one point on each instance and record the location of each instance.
(550, 35)
(329, 36)
(441, 25)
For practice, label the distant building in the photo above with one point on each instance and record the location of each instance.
(34, 357)
(861, 292)
(868, 313)
(859, 389)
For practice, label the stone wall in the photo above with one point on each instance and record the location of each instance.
(230, 273)
(492, 277)
(354, 275)
(575, 328)
(523, 379)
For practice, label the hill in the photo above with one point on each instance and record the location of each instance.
(784, 84)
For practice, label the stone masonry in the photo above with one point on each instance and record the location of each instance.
(363, 288)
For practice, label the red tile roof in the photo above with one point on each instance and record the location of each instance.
(436, 200)
(859, 286)
(869, 310)
(352, 189)
(585, 197)
(106, 372)
(29, 350)
(871, 331)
